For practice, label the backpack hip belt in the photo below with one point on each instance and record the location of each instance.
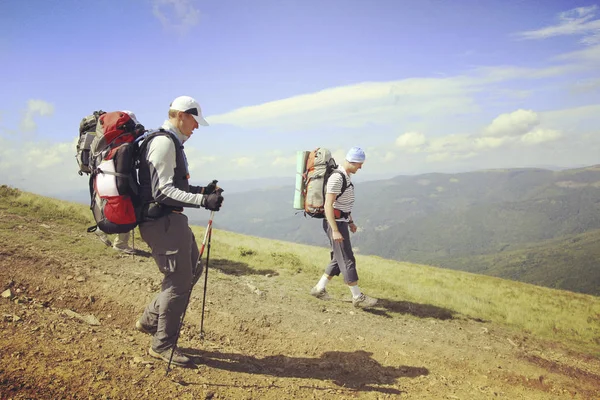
(340, 214)
(156, 210)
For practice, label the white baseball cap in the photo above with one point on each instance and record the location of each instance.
(189, 106)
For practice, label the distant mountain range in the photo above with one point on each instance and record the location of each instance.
(481, 221)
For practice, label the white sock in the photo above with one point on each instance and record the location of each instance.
(322, 282)
(355, 291)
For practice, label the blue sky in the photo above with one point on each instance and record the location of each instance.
(423, 86)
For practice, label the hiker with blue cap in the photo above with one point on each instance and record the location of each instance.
(338, 222)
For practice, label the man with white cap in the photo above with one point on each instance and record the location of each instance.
(339, 200)
(165, 191)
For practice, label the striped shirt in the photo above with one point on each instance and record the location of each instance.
(334, 185)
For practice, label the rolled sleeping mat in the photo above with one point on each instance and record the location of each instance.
(301, 157)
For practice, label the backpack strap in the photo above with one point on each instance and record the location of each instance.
(99, 171)
(344, 183)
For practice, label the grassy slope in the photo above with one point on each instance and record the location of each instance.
(571, 318)
(569, 263)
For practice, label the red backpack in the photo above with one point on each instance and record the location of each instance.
(114, 189)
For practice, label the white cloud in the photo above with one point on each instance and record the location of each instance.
(243, 161)
(279, 161)
(590, 56)
(540, 135)
(577, 21)
(396, 102)
(448, 156)
(488, 142)
(357, 105)
(501, 73)
(586, 85)
(411, 142)
(506, 133)
(389, 156)
(455, 143)
(516, 123)
(34, 109)
(177, 15)
(48, 168)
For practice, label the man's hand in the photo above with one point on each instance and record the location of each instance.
(210, 188)
(212, 201)
(337, 236)
(353, 228)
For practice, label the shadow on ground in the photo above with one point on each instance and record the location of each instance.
(238, 269)
(406, 307)
(351, 370)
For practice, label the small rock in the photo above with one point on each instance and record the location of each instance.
(80, 279)
(7, 294)
(69, 277)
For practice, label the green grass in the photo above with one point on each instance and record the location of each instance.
(408, 290)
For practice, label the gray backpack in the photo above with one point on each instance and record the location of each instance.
(319, 167)
(87, 133)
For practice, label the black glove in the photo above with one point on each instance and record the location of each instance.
(212, 201)
(210, 188)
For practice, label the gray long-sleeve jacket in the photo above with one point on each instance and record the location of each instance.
(163, 171)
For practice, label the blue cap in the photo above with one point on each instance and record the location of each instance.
(356, 154)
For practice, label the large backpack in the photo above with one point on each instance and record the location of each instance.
(114, 188)
(319, 167)
(87, 133)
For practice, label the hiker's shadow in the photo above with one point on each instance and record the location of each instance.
(354, 370)
(407, 307)
(237, 268)
(142, 253)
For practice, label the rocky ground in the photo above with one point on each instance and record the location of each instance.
(67, 331)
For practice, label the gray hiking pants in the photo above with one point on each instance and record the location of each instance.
(342, 256)
(176, 254)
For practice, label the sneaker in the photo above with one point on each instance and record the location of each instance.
(178, 357)
(103, 238)
(143, 329)
(364, 301)
(126, 250)
(320, 293)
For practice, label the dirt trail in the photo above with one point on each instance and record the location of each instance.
(275, 342)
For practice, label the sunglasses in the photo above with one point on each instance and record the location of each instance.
(192, 111)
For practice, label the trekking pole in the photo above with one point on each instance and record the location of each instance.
(205, 283)
(206, 235)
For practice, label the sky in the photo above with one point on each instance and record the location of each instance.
(422, 86)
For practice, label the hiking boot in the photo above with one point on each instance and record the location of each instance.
(103, 238)
(320, 293)
(126, 250)
(364, 301)
(178, 357)
(144, 329)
